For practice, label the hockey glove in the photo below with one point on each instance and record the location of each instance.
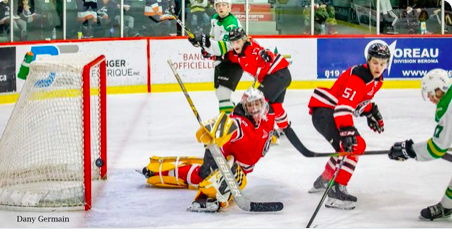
(348, 138)
(218, 130)
(193, 41)
(401, 151)
(200, 40)
(265, 55)
(203, 136)
(205, 54)
(374, 119)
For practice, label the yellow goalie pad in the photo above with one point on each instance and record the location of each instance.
(218, 130)
(214, 186)
(170, 164)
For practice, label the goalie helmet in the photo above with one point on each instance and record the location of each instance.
(254, 104)
(435, 79)
(378, 50)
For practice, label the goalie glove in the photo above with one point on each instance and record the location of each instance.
(218, 130)
(402, 151)
(203, 136)
(374, 119)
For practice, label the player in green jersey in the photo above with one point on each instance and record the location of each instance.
(436, 88)
(215, 46)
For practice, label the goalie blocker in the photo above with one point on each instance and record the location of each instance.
(243, 137)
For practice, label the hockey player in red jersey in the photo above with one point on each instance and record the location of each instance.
(247, 136)
(332, 113)
(270, 69)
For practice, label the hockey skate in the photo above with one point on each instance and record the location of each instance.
(435, 212)
(204, 204)
(320, 184)
(339, 198)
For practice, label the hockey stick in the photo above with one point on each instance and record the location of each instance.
(447, 157)
(330, 184)
(255, 77)
(293, 138)
(239, 198)
(190, 34)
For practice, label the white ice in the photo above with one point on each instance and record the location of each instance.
(390, 194)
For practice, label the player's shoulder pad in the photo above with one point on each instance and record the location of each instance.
(363, 73)
(443, 105)
(230, 22)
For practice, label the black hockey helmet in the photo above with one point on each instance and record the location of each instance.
(236, 34)
(378, 50)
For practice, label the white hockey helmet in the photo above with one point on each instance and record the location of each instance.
(255, 105)
(220, 1)
(435, 79)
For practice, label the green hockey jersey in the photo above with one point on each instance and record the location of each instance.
(437, 146)
(219, 34)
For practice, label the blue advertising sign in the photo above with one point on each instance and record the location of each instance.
(410, 57)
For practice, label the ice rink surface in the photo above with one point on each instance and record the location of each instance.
(390, 194)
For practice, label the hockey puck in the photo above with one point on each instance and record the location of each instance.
(99, 162)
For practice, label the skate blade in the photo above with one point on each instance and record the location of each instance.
(203, 210)
(444, 218)
(338, 204)
(316, 190)
(141, 173)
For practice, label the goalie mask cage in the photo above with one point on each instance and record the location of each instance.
(54, 143)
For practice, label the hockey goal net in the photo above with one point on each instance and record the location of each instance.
(54, 143)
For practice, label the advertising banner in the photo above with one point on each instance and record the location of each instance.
(193, 68)
(187, 59)
(258, 12)
(7, 69)
(300, 52)
(411, 58)
(126, 60)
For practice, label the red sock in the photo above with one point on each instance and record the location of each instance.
(280, 115)
(345, 173)
(187, 173)
(190, 174)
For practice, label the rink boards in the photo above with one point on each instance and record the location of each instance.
(137, 65)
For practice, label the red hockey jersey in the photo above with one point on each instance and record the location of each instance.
(350, 95)
(250, 142)
(252, 63)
